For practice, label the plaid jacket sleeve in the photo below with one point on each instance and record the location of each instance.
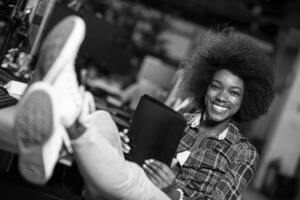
(235, 180)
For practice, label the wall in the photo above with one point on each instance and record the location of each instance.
(283, 140)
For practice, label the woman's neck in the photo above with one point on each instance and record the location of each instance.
(212, 128)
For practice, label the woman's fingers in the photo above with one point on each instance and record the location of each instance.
(126, 148)
(160, 172)
(157, 169)
(124, 137)
(125, 140)
(164, 168)
(154, 176)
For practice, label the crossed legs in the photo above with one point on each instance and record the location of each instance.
(99, 156)
(51, 105)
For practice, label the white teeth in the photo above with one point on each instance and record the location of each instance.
(219, 108)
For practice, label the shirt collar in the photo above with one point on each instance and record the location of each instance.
(223, 135)
(234, 134)
(196, 120)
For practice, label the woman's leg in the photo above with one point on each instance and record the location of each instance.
(100, 159)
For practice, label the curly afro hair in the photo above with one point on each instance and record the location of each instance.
(243, 57)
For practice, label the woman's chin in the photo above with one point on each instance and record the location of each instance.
(217, 118)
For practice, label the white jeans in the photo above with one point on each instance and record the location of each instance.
(98, 154)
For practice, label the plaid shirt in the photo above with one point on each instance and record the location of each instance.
(218, 168)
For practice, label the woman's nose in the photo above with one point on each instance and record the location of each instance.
(222, 96)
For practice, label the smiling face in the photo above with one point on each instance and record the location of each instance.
(223, 97)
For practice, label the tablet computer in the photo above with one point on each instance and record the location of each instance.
(155, 131)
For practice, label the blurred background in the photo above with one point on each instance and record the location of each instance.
(135, 47)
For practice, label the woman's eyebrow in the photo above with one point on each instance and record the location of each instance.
(237, 87)
(216, 80)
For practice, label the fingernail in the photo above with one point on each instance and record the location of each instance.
(144, 166)
(126, 139)
(147, 161)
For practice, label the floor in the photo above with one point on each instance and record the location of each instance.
(12, 189)
(65, 184)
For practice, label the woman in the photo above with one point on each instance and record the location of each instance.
(230, 79)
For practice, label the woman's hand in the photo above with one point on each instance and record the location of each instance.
(125, 140)
(159, 173)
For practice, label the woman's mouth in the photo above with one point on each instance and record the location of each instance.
(220, 108)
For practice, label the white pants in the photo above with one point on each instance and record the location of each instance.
(98, 154)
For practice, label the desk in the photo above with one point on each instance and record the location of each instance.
(109, 87)
(7, 139)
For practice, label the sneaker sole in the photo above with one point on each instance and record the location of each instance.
(66, 36)
(34, 125)
(59, 49)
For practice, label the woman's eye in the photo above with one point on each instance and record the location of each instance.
(214, 86)
(235, 93)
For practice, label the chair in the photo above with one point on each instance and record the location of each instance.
(154, 132)
(134, 92)
(154, 79)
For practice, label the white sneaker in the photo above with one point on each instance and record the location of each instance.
(56, 66)
(38, 133)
